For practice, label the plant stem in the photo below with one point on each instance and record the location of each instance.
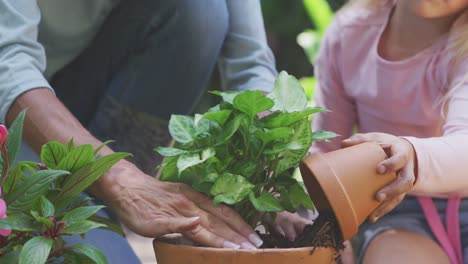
(57, 252)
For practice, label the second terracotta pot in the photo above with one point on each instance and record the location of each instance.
(346, 182)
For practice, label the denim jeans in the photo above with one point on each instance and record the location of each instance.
(152, 58)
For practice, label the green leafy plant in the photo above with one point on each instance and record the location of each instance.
(46, 201)
(240, 156)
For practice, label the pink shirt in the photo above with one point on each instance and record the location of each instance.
(397, 97)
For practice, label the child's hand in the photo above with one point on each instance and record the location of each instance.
(402, 160)
(290, 225)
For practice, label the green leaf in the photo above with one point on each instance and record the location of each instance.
(18, 222)
(110, 225)
(77, 158)
(102, 146)
(170, 152)
(82, 227)
(52, 154)
(23, 197)
(182, 128)
(266, 203)
(230, 189)
(219, 117)
(14, 178)
(47, 222)
(72, 257)
(288, 94)
(169, 170)
(299, 197)
(191, 159)
(47, 208)
(91, 252)
(322, 135)
(70, 145)
(84, 177)
(36, 250)
(297, 147)
(15, 134)
(269, 135)
(227, 96)
(81, 213)
(252, 102)
(286, 119)
(232, 126)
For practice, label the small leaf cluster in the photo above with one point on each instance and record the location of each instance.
(242, 152)
(46, 202)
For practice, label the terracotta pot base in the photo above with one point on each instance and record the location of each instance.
(168, 252)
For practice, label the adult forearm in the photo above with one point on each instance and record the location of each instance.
(48, 119)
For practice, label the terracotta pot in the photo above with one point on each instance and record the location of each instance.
(170, 251)
(346, 182)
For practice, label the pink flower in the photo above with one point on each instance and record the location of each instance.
(3, 134)
(3, 207)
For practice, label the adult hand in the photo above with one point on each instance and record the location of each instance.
(290, 225)
(402, 160)
(153, 208)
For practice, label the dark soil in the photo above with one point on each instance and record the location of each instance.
(324, 232)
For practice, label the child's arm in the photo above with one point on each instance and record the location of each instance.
(442, 162)
(330, 93)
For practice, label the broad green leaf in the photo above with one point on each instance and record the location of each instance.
(110, 225)
(67, 204)
(170, 152)
(52, 154)
(323, 135)
(299, 197)
(36, 250)
(191, 159)
(297, 147)
(269, 135)
(84, 177)
(77, 158)
(23, 197)
(81, 213)
(91, 252)
(230, 189)
(252, 102)
(182, 128)
(169, 170)
(288, 94)
(15, 134)
(286, 119)
(219, 117)
(266, 203)
(18, 222)
(82, 227)
(47, 208)
(231, 127)
(227, 96)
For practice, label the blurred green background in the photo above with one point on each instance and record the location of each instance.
(284, 21)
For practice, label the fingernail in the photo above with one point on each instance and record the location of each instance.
(193, 219)
(381, 197)
(247, 245)
(281, 231)
(228, 244)
(256, 240)
(381, 169)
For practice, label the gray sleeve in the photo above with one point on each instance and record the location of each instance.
(22, 57)
(246, 61)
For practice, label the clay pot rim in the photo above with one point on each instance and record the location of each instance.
(249, 251)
